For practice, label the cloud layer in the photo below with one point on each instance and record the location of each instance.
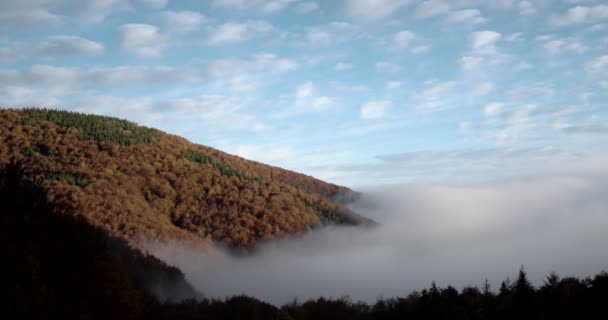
(454, 234)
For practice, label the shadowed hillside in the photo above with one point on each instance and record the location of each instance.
(139, 183)
(58, 265)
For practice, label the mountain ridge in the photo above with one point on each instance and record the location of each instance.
(142, 184)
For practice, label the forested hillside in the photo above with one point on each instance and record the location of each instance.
(55, 264)
(139, 183)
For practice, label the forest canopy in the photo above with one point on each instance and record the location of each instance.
(141, 184)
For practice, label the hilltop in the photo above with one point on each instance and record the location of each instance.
(141, 184)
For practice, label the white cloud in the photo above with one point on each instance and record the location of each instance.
(483, 50)
(391, 85)
(517, 123)
(492, 108)
(317, 36)
(343, 66)
(431, 8)
(374, 109)
(537, 90)
(470, 16)
(483, 89)
(18, 14)
(373, 9)
(95, 11)
(526, 8)
(434, 96)
(236, 4)
(261, 62)
(232, 32)
(142, 39)
(304, 90)
(598, 27)
(64, 45)
(64, 80)
(597, 64)
(580, 14)
(17, 92)
(28, 17)
(154, 3)
(470, 62)
(558, 46)
(263, 6)
(183, 21)
(9, 54)
(306, 7)
(275, 6)
(421, 49)
(340, 86)
(402, 39)
(514, 37)
(328, 34)
(523, 66)
(321, 102)
(385, 66)
(483, 42)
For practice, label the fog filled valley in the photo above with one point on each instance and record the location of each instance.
(452, 234)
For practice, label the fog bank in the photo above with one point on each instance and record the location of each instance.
(451, 234)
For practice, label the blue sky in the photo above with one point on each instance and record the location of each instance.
(358, 92)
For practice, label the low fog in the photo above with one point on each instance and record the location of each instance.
(453, 234)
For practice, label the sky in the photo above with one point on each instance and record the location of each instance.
(357, 92)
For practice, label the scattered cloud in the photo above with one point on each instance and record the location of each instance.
(260, 62)
(526, 8)
(468, 16)
(64, 80)
(328, 34)
(431, 8)
(304, 90)
(597, 64)
(262, 6)
(402, 39)
(183, 21)
(64, 45)
(559, 46)
(385, 66)
(143, 40)
(374, 109)
(343, 66)
(306, 7)
(391, 85)
(484, 51)
(483, 89)
(373, 9)
(232, 32)
(580, 14)
(158, 4)
(493, 108)
(322, 101)
(433, 96)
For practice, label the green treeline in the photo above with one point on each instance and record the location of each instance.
(203, 158)
(326, 215)
(94, 127)
(565, 298)
(71, 178)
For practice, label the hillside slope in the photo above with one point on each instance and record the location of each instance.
(59, 266)
(141, 184)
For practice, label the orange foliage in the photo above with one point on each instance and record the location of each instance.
(149, 190)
